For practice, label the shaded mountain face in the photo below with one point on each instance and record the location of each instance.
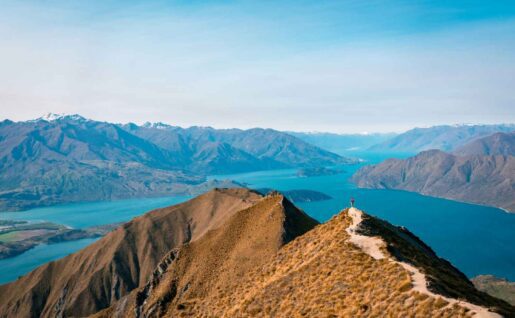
(85, 282)
(446, 138)
(217, 261)
(236, 150)
(70, 158)
(499, 144)
(78, 139)
(488, 180)
(271, 260)
(74, 159)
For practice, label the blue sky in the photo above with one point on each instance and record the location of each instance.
(341, 66)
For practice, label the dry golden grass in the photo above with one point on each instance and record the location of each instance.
(322, 275)
(243, 270)
(95, 277)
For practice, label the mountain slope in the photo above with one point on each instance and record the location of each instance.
(219, 260)
(234, 253)
(343, 143)
(444, 137)
(79, 139)
(497, 287)
(69, 158)
(87, 281)
(486, 180)
(354, 265)
(252, 149)
(499, 144)
(73, 159)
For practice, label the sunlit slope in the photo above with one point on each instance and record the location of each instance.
(352, 266)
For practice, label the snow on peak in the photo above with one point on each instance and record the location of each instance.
(158, 125)
(54, 117)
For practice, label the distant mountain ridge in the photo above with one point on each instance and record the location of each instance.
(445, 137)
(484, 174)
(343, 143)
(498, 144)
(256, 147)
(66, 158)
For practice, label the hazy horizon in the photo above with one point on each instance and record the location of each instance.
(143, 122)
(328, 66)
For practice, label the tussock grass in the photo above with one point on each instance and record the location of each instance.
(321, 274)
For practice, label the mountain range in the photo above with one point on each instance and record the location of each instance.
(212, 150)
(343, 143)
(234, 252)
(482, 172)
(444, 137)
(69, 158)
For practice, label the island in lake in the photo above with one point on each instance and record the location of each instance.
(316, 172)
(300, 195)
(17, 236)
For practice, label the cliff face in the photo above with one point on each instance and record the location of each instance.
(488, 180)
(87, 281)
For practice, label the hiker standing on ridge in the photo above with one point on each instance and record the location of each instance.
(351, 202)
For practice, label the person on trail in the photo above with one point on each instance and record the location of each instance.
(351, 202)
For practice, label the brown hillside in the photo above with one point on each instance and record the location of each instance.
(488, 180)
(497, 287)
(352, 266)
(90, 280)
(217, 262)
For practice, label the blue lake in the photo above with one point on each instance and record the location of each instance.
(77, 215)
(12, 268)
(81, 215)
(476, 239)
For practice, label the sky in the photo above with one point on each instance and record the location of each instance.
(335, 66)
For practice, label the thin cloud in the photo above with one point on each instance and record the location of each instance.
(226, 65)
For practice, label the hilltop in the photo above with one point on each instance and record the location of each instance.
(235, 252)
(482, 172)
(121, 261)
(354, 265)
(499, 144)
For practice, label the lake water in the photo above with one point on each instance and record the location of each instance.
(86, 214)
(12, 268)
(77, 215)
(476, 239)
